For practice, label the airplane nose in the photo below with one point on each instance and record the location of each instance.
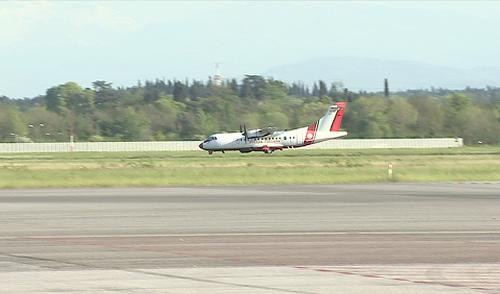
(201, 145)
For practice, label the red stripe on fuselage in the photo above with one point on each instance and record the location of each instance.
(311, 134)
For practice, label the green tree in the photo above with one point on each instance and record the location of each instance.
(482, 126)
(402, 117)
(456, 119)
(366, 118)
(125, 124)
(104, 93)
(101, 86)
(164, 115)
(430, 116)
(70, 96)
(180, 91)
(276, 119)
(311, 112)
(46, 126)
(274, 90)
(134, 125)
(322, 90)
(12, 125)
(253, 86)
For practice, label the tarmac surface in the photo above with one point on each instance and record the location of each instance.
(377, 238)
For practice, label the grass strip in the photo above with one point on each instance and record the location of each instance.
(287, 167)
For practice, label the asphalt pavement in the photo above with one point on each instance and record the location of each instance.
(381, 238)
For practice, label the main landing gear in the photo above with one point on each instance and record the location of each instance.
(269, 150)
(210, 152)
(266, 149)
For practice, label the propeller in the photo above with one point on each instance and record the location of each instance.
(245, 133)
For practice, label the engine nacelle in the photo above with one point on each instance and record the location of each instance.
(259, 133)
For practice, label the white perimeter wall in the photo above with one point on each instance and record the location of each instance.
(389, 143)
(193, 145)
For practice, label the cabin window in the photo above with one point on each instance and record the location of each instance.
(284, 138)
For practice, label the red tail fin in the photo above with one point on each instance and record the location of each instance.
(337, 121)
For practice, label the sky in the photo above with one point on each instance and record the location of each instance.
(46, 43)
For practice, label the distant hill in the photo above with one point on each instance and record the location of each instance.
(369, 73)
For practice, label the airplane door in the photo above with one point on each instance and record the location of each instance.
(299, 138)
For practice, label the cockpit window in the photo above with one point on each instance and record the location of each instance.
(211, 138)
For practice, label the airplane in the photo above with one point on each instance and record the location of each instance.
(269, 140)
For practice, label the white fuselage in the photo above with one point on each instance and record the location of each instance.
(275, 141)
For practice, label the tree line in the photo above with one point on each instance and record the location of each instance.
(191, 110)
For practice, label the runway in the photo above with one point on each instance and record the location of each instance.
(377, 238)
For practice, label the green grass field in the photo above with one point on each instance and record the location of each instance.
(286, 167)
